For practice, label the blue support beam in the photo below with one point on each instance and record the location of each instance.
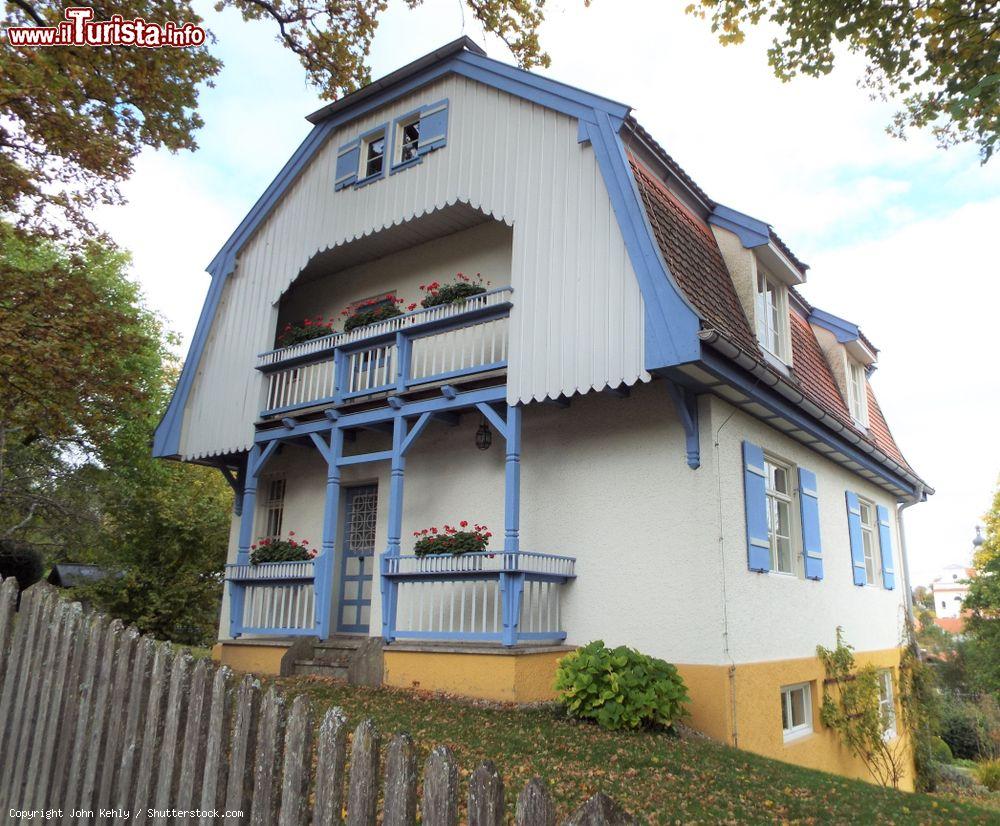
(388, 587)
(512, 481)
(325, 562)
(686, 406)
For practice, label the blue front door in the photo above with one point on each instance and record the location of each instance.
(357, 559)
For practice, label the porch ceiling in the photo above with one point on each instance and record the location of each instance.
(428, 227)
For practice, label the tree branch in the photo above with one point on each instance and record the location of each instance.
(28, 10)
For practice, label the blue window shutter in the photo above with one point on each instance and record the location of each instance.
(754, 486)
(857, 545)
(433, 127)
(812, 547)
(885, 543)
(348, 160)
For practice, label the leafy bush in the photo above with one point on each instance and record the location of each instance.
(281, 550)
(463, 288)
(620, 688)
(451, 540)
(963, 728)
(953, 779)
(21, 561)
(941, 751)
(370, 312)
(988, 774)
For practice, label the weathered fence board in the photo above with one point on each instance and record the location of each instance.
(331, 755)
(94, 716)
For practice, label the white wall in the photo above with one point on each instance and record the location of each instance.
(772, 616)
(606, 481)
(577, 321)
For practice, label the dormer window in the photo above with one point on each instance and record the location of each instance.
(408, 137)
(857, 393)
(772, 315)
(373, 154)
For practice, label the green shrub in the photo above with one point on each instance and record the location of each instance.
(281, 550)
(988, 774)
(963, 728)
(620, 688)
(941, 751)
(21, 561)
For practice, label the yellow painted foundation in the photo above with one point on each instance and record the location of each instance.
(515, 677)
(257, 658)
(741, 706)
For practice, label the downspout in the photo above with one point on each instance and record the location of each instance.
(918, 496)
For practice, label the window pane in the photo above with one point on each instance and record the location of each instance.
(780, 479)
(798, 701)
(784, 560)
(784, 710)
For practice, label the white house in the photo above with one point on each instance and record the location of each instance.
(950, 587)
(685, 456)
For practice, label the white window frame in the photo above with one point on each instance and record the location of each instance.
(771, 323)
(775, 499)
(399, 142)
(871, 549)
(272, 505)
(795, 732)
(887, 703)
(366, 142)
(857, 392)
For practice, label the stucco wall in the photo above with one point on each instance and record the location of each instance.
(777, 616)
(606, 481)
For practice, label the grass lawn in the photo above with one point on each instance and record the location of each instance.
(659, 778)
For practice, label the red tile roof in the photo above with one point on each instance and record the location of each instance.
(693, 257)
(953, 625)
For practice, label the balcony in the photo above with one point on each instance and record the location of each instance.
(436, 344)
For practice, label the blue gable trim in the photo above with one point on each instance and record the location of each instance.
(844, 330)
(750, 231)
(671, 323)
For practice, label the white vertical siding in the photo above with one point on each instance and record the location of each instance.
(577, 318)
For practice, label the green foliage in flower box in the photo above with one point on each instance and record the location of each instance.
(451, 540)
(281, 550)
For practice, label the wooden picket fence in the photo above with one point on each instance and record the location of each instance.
(97, 720)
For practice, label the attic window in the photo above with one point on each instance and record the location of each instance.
(373, 154)
(771, 309)
(408, 132)
(857, 393)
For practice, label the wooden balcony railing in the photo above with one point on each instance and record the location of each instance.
(272, 598)
(506, 597)
(434, 344)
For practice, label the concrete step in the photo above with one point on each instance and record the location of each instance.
(320, 668)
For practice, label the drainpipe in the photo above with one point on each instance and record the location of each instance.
(918, 496)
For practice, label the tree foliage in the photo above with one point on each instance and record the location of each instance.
(74, 118)
(939, 58)
(85, 373)
(982, 627)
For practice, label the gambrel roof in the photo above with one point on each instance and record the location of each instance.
(685, 286)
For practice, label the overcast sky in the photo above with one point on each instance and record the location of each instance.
(901, 237)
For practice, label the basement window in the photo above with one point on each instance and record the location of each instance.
(796, 711)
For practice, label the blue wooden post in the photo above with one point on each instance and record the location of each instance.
(512, 584)
(512, 487)
(388, 587)
(237, 590)
(325, 562)
(404, 347)
(341, 381)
